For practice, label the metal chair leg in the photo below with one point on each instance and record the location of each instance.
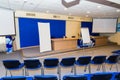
(6, 73)
(10, 73)
(103, 68)
(74, 70)
(89, 68)
(85, 69)
(59, 72)
(111, 66)
(116, 67)
(98, 68)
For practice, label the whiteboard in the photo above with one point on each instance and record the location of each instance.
(2, 44)
(6, 22)
(85, 35)
(104, 25)
(44, 37)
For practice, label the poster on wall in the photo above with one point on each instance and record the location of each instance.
(118, 27)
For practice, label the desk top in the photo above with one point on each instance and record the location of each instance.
(61, 39)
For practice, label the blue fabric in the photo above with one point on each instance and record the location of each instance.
(15, 77)
(83, 61)
(89, 26)
(75, 77)
(116, 52)
(9, 44)
(51, 62)
(28, 30)
(45, 77)
(81, 45)
(67, 62)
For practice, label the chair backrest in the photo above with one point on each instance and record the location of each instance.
(84, 60)
(66, 62)
(117, 76)
(99, 59)
(112, 58)
(101, 76)
(51, 62)
(45, 77)
(9, 64)
(14, 78)
(74, 77)
(32, 63)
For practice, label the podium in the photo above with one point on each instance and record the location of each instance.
(64, 43)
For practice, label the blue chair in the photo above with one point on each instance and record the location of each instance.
(74, 77)
(32, 64)
(68, 62)
(117, 76)
(112, 59)
(14, 78)
(45, 77)
(99, 60)
(101, 76)
(51, 63)
(84, 61)
(12, 65)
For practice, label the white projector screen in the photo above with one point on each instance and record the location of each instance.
(6, 22)
(104, 25)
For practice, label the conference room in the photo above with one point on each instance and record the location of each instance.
(59, 39)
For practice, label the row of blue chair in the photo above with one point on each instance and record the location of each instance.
(30, 64)
(95, 76)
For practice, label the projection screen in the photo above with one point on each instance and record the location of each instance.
(104, 25)
(6, 22)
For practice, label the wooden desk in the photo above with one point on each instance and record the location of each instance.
(100, 40)
(64, 43)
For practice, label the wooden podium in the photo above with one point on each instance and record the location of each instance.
(64, 43)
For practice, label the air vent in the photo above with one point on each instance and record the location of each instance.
(30, 14)
(70, 17)
(55, 16)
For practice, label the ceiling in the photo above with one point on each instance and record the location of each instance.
(86, 8)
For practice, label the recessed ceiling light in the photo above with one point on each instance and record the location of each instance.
(88, 12)
(118, 10)
(99, 6)
(65, 9)
(47, 11)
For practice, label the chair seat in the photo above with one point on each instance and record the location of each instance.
(45, 77)
(74, 77)
(14, 78)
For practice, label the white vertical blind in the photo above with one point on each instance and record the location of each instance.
(7, 22)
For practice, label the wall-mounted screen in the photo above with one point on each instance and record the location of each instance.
(104, 25)
(6, 22)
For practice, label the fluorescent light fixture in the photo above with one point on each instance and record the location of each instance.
(118, 10)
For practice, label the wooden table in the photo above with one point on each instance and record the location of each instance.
(100, 40)
(64, 43)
